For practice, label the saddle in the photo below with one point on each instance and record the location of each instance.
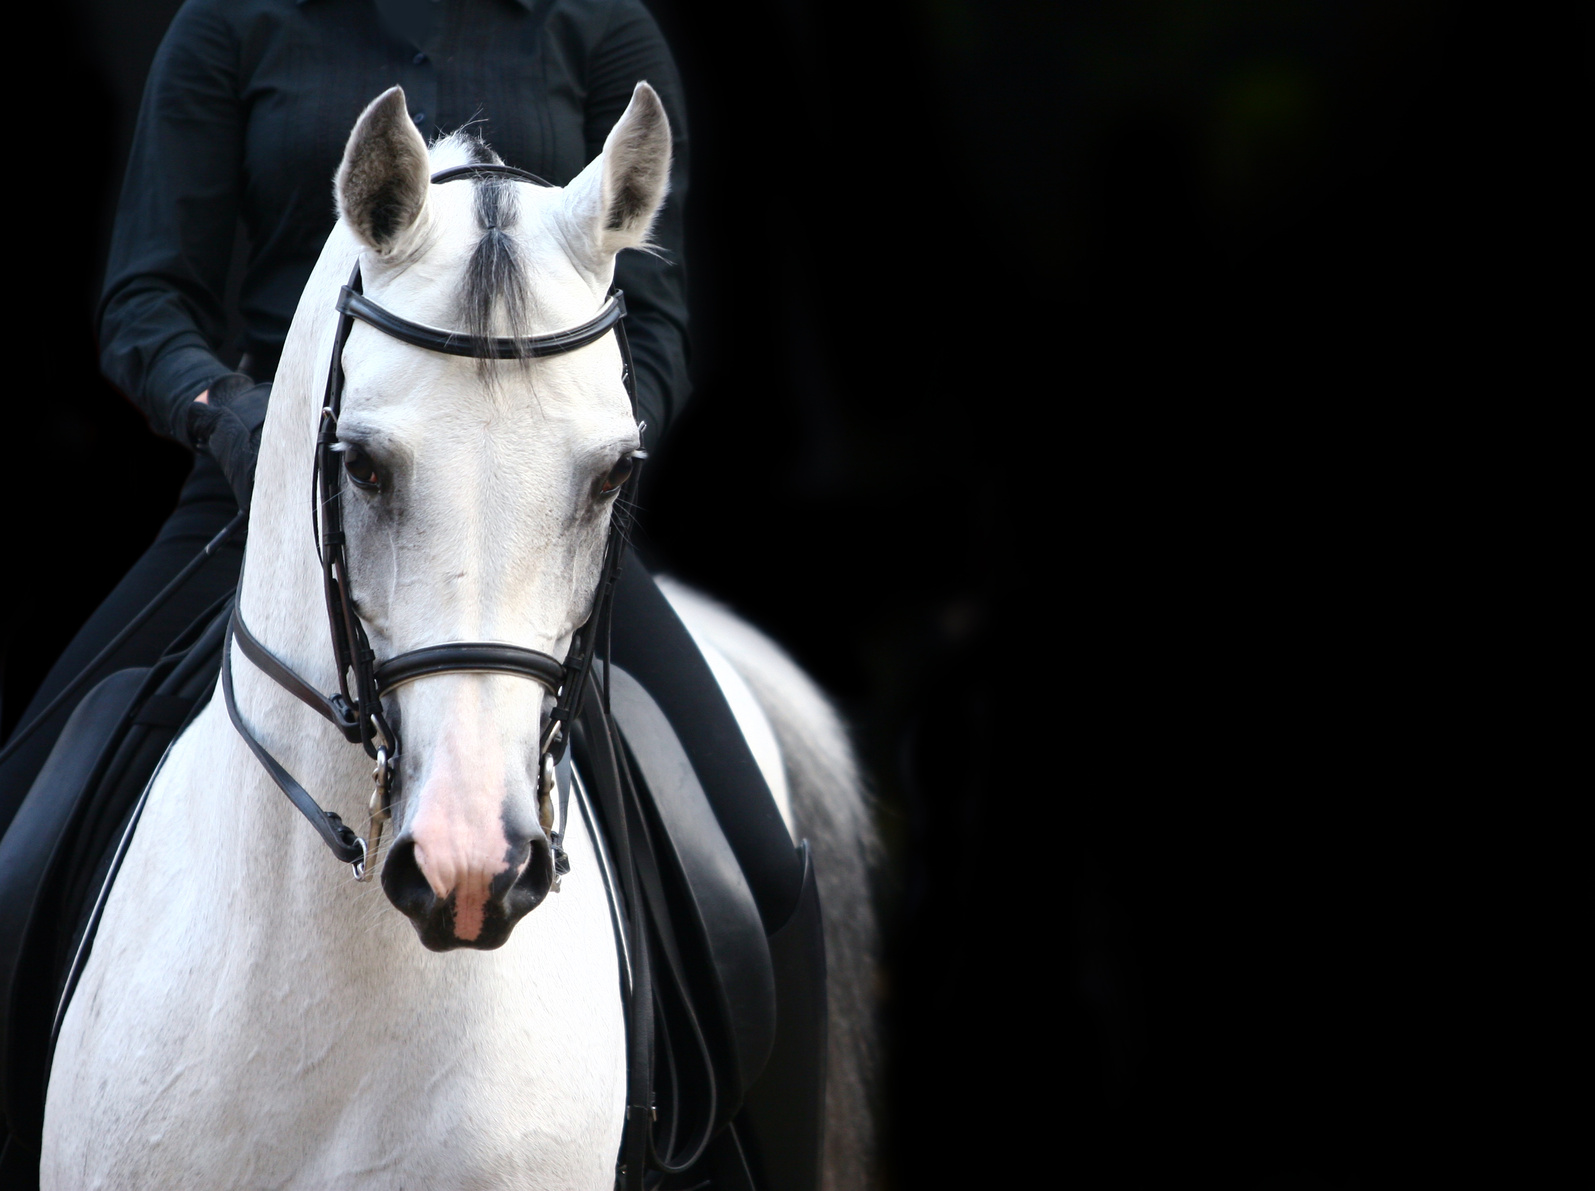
(739, 1015)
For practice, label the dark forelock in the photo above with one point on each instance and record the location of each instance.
(495, 278)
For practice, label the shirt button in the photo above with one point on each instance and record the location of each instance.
(419, 117)
(420, 59)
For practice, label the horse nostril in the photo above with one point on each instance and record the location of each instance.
(404, 883)
(533, 884)
(517, 892)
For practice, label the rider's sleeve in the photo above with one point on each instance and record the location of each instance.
(162, 306)
(633, 49)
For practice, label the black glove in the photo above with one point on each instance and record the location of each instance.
(227, 428)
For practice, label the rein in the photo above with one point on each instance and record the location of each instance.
(356, 709)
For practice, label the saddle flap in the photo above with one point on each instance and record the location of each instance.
(715, 890)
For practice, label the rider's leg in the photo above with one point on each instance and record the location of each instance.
(204, 508)
(654, 647)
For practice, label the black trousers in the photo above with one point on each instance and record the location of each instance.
(649, 642)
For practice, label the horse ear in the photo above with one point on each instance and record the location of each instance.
(614, 200)
(383, 181)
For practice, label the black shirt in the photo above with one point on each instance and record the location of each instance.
(245, 115)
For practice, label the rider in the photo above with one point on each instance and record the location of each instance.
(244, 119)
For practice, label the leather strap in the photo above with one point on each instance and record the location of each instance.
(486, 169)
(335, 710)
(457, 343)
(470, 657)
(338, 835)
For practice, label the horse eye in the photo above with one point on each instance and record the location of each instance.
(360, 468)
(617, 476)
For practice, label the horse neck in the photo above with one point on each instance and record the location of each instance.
(281, 588)
(281, 597)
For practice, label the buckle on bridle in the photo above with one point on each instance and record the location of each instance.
(348, 721)
(376, 810)
(359, 866)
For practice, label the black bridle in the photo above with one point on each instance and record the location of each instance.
(355, 709)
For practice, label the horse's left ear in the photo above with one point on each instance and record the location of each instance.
(614, 200)
(383, 181)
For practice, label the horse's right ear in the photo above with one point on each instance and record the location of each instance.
(385, 175)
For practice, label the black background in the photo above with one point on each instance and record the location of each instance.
(1084, 396)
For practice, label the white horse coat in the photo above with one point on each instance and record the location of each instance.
(250, 1015)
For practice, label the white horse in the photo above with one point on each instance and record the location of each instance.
(250, 1015)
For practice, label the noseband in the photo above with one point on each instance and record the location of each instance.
(355, 709)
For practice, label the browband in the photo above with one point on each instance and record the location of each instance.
(453, 343)
(486, 169)
(457, 343)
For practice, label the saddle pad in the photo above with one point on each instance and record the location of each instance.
(57, 855)
(30, 849)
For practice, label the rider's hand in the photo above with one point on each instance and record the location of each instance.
(225, 421)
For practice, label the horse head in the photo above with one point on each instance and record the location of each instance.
(478, 493)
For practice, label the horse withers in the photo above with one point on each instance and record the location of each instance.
(252, 1016)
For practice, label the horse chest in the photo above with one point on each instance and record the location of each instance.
(225, 1045)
